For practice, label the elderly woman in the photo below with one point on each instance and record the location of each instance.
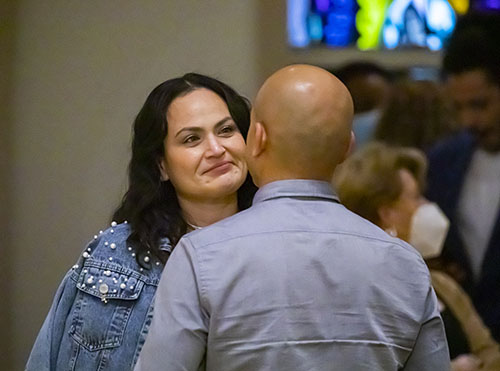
(383, 184)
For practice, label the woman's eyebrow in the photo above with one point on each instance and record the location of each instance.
(188, 128)
(223, 121)
(198, 129)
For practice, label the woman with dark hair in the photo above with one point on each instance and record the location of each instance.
(187, 171)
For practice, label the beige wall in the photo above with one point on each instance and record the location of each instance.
(77, 73)
(7, 34)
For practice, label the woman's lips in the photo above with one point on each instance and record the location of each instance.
(220, 168)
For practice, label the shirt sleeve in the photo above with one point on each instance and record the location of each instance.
(430, 352)
(43, 356)
(178, 334)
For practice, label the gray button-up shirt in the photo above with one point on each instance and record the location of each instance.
(296, 282)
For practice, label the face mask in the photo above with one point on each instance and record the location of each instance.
(428, 230)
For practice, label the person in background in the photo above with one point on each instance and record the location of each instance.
(383, 184)
(187, 171)
(296, 282)
(464, 170)
(370, 86)
(416, 115)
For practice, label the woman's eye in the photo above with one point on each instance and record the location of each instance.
(190, 139)
(227, 129)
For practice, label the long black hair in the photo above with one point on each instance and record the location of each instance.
(150, 205)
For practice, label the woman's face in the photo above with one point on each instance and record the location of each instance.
(204, 149)
(400, 212)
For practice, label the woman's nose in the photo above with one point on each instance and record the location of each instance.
(215, 147)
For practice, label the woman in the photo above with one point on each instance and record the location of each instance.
(187, 171)
(383, 185)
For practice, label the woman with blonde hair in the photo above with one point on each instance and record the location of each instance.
(383, 184)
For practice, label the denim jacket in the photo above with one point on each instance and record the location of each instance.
(102, 309)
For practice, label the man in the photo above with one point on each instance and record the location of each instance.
(464, 171)
(296, 282)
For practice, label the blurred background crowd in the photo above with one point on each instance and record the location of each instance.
(435, 143)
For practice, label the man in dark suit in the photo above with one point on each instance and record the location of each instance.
(464, 170)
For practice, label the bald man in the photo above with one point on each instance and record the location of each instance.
(296, 282)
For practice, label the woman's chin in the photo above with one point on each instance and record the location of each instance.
(226, 186)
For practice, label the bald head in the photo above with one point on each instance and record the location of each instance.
(306, 114)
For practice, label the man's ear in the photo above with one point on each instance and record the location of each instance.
(163, 170)
(350, 148)
(260, 140)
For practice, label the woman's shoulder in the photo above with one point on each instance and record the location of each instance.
(107, 304)
(109, 243)
(110, 251)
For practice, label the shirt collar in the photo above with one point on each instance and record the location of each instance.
(296, 188)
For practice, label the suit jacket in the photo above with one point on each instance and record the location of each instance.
(448, 164)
